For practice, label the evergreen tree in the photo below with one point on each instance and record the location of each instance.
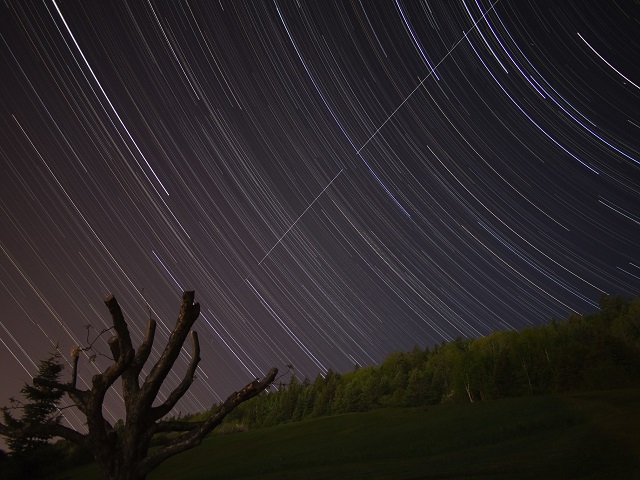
(40, 407)
(32, 455)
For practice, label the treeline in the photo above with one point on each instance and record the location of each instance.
(583, 352)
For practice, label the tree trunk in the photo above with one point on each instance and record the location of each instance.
(121, 471)
(467, 386)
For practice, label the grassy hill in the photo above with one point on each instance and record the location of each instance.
(585, 435)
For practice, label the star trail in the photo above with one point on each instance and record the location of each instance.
(335, 180)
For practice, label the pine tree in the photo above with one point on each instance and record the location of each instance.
(40, 407)
(32, 456)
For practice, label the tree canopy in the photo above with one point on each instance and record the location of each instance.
(594, 351)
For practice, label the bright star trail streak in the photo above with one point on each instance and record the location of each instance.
(300, 167)
(431, 72)
(93, 75)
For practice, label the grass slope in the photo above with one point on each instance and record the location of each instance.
(587, 435)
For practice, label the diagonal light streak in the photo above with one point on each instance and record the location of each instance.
(431, 72)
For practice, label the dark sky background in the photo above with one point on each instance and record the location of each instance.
(335, 180)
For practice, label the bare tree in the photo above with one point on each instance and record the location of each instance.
(124, 455)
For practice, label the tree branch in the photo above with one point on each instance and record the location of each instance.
(44, 429)
(79, 397)
(122, 331)
(142, 354)
(130, 381)
(65, 387)
(74, 368)
(189, 312)
(194, 437)
(161, 410)
(102, 382)
(121, 348)
(176, 426)
(90, 402)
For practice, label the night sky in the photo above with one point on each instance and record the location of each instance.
(335, 180)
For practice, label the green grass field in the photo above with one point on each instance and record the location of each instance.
(588, 435)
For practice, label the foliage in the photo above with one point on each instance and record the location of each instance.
(583, 352)
(40, 406)
(32, 456)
